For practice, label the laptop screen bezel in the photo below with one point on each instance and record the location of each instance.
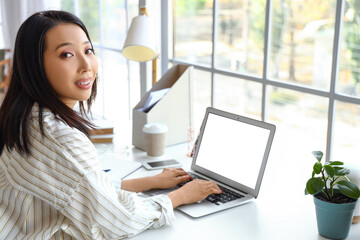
(238, 186)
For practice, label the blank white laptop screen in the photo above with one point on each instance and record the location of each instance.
(239, 155)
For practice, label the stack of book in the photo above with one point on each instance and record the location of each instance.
(103, 132)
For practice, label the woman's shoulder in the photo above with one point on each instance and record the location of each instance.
(53, 125)
(63, 138)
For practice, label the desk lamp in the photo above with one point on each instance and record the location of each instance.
(139, 44)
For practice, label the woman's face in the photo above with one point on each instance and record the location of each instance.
(69, 62)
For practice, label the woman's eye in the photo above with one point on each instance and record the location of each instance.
(89, 50)
(66, 55)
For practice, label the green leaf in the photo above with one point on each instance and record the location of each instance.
(317, 167)
(349, 189)
(318, 155)
(329, 170)
(336, 163)
(337, 168)
(314, 185)
(340, 171)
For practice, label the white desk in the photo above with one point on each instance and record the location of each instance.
(268, 217)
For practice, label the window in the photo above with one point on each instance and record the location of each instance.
(295, 63)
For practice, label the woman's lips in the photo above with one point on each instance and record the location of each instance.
(84, 83)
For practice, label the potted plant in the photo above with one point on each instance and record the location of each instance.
(335, 197)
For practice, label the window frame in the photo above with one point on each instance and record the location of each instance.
(331, 95)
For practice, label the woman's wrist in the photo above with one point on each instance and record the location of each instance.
(152, 182)
(177, 198)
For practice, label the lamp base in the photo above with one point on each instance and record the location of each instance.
(154, 70)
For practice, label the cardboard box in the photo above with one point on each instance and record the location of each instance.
(174, 109)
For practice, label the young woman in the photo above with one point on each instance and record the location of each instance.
(51, 184)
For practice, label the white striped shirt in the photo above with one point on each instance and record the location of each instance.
(60, 192)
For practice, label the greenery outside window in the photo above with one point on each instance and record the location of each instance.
(295, 63)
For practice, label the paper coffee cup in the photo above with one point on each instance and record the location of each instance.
(155, 137)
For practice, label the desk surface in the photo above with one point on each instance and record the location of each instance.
(268, 217)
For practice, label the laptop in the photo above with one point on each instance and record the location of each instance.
(231, 150)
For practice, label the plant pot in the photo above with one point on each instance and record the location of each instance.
(334, 219)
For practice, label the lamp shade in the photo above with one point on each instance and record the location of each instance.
(140, 43)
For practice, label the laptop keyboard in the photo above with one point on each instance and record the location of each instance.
(226, 196)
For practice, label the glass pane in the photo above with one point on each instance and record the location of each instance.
(301, 121)
(97, 107)
(89, 14)
(346, 139)
(237, 96)
(134, 87)
(240, 36)
(66, 5)
(118, 92)
(193, 31)
(349, 78)
(113, 23)
(116, 86)
(301, 42)
(201, 83)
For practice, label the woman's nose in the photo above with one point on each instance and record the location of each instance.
(85, 64)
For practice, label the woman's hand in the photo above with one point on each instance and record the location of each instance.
(193, 191)
(170, 177)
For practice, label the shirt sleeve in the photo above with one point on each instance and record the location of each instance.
(96, 209)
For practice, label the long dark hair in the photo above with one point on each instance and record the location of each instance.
(29, 84)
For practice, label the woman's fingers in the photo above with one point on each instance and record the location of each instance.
(181, 172)
(199, 189)
(175, 171)
(211, 187)
(183, 178)
(194, 191)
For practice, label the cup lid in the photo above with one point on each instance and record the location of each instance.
(155, 128)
